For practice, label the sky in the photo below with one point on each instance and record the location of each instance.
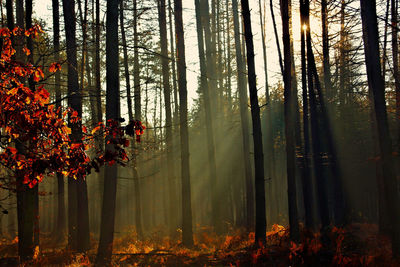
(42, 9)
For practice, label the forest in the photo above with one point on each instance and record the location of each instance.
(199, 133)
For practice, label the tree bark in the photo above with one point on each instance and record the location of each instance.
(243, 99)
(73, 102)
(376, 85)
(261, 220)
(305, 164)
(168, 114)
(60, 224)
(201, 17)
(187, 231)
(289, 107)
(104, 251)
(278, 47)
(138, 116)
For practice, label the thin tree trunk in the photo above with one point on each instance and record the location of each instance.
(276, 36)
(83, 206)
(325, 50)
(208, 116)
(28, 22)
(11, 199)
(395, 55)
(168, 116)
(376, 85)
(243, 99)
(261, 220)
(138, 116)
(99, 108)
(289, 124)
(25, 196)
(316, 142)
(60, 225)
(74, 101)
(112, 113)
(306, 175)
(173, 63)
(187, 231)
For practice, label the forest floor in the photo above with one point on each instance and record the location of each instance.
(356, 245)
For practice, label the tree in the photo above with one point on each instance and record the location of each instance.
(187, 230)
(162, 21)
(376, 85)
(77, 190)
(200, 18)
(28, 115)
(138, 116)
(60, 225)
(261, 220)
(112, 113)
(307, 184)
(244, 119)
(289, 124)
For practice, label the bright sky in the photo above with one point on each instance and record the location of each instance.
(42, 9)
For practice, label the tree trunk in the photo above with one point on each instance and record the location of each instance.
(28, 22)
(168, 116)
(376, 85)
(112, 113)
(243, 99)
(257, 137)
(395, 55)
(325, 50)
(289, 124)
(316, 142)
(187, 231)
(78, 212)
(278, 47)
(200, 18)
(173, 63)
(60, 224)
(305, 164)
(99, 109)
(25, 196)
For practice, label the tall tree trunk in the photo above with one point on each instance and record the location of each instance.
(60, 225)
(228, 56)
(99, 109)
(112, 113)
(262, 26)
(306, 175)
(168, 116)
(395, 55)
(384, 223)
(289, 124)
(85, 64)
(138, 116)
(316, 142)
(74, 101)
(385, 42)
(325, 50)
(83, 206)
(376, 85)
(11, 215)
(261, 220)
(187, 231)
(173, 64)
(126, 66)
(278, 47)
(243, 99)
(25, 195)
(201, 16)
(28, 23)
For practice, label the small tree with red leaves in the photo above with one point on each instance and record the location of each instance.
(35, 137)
